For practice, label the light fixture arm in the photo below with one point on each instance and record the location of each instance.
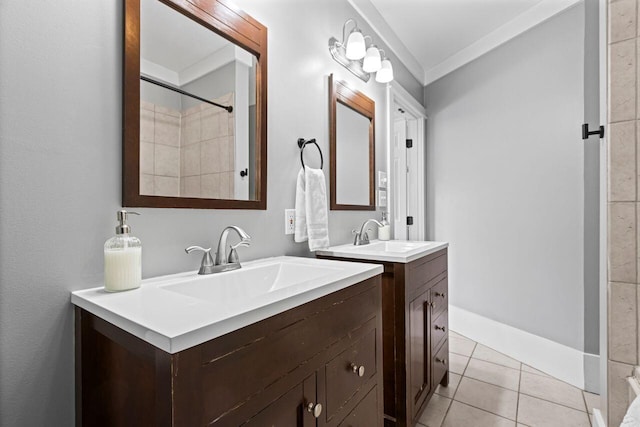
(344, 29)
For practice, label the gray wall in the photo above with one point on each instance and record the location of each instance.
(503, 160)
(60, 169)
(160, 96)
(212, 85)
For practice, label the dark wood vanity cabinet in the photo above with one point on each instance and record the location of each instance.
(319, 364)
(415, 330)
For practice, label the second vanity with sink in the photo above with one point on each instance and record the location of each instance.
(415, 321)
(282, 341)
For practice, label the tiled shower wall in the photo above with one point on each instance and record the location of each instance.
(623, 201)
(187, 153)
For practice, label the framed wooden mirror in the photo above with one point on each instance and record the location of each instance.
(352, 148)
(194, 106)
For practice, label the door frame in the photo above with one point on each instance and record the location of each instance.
(397, 95)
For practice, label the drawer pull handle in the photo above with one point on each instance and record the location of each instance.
(443, 361)
(358, 370)
(315, 409)
(440, 328)
(443, 295)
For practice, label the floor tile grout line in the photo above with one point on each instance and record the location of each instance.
(481, 409)
(518, 397)
(584, 399)
(554, 402)
(447, 411)
(486, 382)
(494, 363)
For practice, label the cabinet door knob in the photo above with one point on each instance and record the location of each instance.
(443, 295)
(315, 409)
(440, 328)
(358, 370)
(443, 361)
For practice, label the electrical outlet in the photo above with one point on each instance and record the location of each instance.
(382, 198)
(289, 221)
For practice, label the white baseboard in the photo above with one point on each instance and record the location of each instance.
(592, 373)
(558, 360)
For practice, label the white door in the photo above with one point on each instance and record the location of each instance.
(412, 196)
(399, 180)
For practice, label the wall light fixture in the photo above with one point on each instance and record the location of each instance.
(356, 57)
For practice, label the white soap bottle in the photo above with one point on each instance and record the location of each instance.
(384, 232)
(122, 258)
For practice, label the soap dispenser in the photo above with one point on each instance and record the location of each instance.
(122, 258)
(384, 232)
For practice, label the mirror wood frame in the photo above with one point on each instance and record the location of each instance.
(362, 104)
(226, 20)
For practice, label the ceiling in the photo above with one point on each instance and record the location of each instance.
(434, 37)
(172, 40)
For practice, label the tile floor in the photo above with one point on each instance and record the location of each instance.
(489, 389)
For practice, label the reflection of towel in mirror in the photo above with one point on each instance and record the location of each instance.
(312, 219)
(632, 417)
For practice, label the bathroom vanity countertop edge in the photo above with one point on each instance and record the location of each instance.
(174, 322)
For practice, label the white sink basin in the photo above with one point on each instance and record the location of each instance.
(252, 281)
(180, 311)
(401, 251)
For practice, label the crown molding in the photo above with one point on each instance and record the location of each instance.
(534, 16)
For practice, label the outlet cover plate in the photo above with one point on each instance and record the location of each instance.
(289, 221)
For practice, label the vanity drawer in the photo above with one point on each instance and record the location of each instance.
(421, 271)
(440, 364)
(343, 372)
(439, 330)
(440, 297)
(365, 414)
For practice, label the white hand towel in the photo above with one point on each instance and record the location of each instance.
(632, 417)
(312, 218)
(300, 227)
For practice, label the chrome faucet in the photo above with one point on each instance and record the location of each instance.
(222, 262)
(231, 261)
(362, 238)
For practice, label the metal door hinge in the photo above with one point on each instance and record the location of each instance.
(409, 143)
(586, 132)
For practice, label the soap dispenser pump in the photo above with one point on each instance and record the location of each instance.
(122, 257)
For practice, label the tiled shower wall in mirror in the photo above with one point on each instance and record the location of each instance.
(187, 153)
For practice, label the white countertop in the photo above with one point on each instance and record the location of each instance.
(402, 251)
(180, 311)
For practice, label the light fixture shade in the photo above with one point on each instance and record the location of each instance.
(372, 61)
(385, 74)
(355, 45)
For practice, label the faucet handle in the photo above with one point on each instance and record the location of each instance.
(244, 243)
(206, 266)
(233, 254)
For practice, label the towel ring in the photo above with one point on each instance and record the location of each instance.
(302, 144)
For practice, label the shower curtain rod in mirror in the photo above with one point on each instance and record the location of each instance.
(229, 108)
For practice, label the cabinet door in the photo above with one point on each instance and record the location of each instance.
(365, 414)
(419, 349)
(291, 409)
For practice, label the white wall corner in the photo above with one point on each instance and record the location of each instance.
(376, 21)
(536, 15)
(557, 360)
